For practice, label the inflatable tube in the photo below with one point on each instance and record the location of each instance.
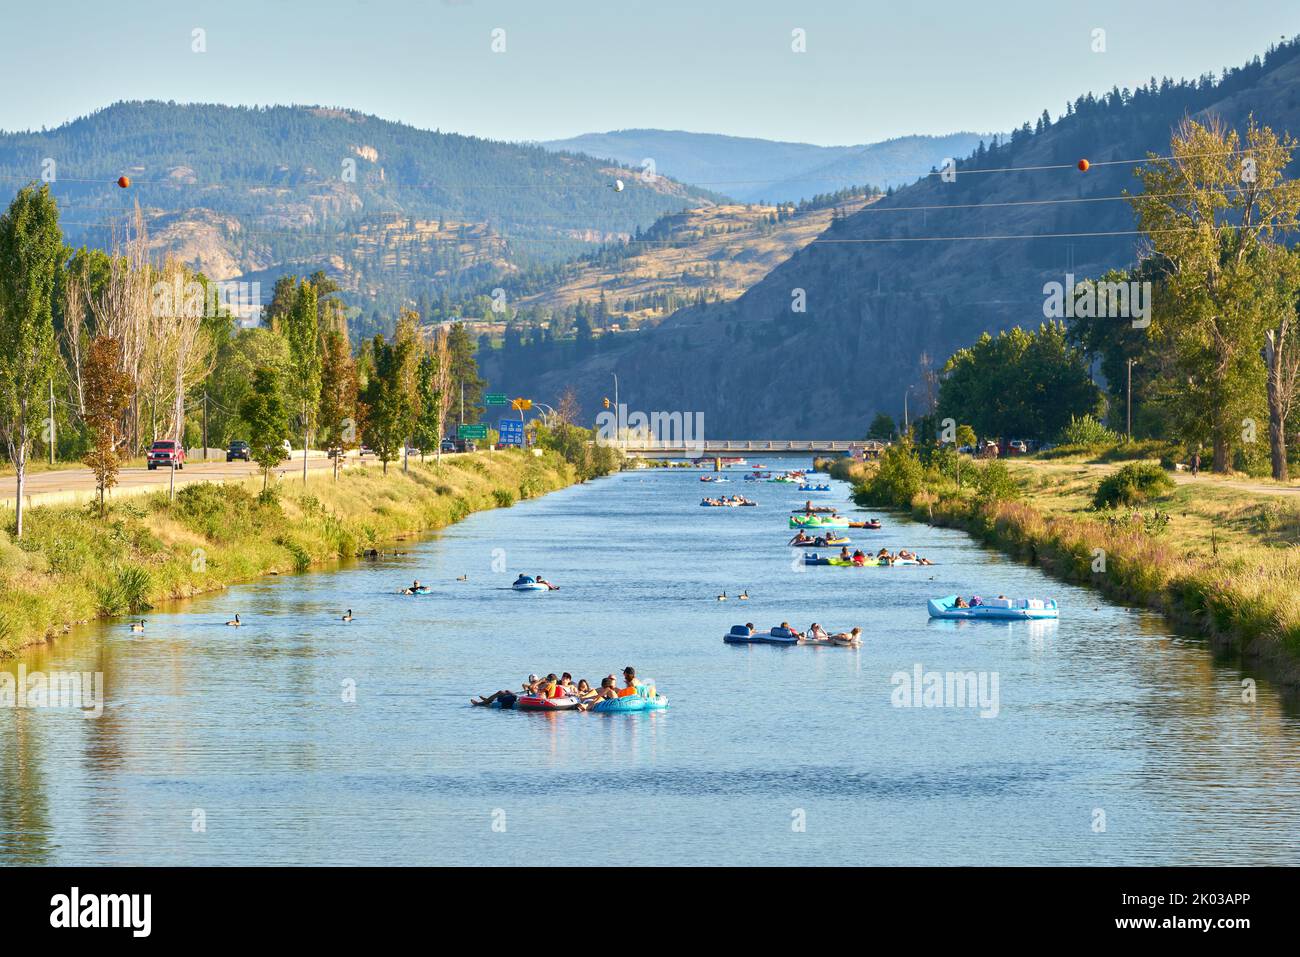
(994, 609)
(647, 699)
(533, 702)
(815, 521)
(739, 635)
(530, 585)
(825, 543)
(814, 488)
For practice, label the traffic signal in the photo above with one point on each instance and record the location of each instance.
(607, 402)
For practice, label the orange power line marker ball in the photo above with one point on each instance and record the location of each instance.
(1083, 166)
(124, 181)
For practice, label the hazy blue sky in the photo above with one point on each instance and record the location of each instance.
(872, 70)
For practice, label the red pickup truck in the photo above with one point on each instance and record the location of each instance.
(166, 452)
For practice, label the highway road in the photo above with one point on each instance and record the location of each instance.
(65, 485)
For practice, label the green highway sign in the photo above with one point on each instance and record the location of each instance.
(471, 431)
(496, 398)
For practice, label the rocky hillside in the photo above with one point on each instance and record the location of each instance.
(391, 211)
(713, 253)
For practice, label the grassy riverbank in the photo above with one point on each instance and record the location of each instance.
(1213, 554)
(71, 566)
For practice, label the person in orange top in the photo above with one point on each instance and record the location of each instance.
(629, 675)
(551, 687)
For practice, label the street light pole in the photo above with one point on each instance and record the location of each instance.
(618, 417)
(1128, 427)
(305, 427)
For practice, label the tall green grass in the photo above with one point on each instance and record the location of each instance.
(72, 566)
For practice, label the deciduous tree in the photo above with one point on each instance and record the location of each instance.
(267, 415)
(107, 392)
(31, 251)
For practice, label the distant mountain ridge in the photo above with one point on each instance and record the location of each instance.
(894, 289)
(382, 206)
(760, 170)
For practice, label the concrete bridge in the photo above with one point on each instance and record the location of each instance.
(727, 448)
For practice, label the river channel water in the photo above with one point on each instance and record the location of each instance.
(1104, 738)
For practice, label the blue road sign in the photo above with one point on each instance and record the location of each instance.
(511, 431)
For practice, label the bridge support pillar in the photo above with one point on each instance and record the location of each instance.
(717, 463)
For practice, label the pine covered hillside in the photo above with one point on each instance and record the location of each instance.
(758, 170)
(893, 290)
(392, 212)
(707, 254)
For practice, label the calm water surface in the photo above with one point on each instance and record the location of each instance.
(1116, 741)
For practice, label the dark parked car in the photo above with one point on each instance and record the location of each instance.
(238, 450)
(166, 452)
(466, 445)
(448, 445)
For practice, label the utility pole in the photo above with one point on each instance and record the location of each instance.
(205, 423)
(906, 424)
(462, 401)
(53, 436)
(1128, 428)
(304, 442)
(618, 416)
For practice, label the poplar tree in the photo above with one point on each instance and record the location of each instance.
(31, 250)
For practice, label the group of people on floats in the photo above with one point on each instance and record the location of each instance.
(563, 686)
(728, 500)
(821, 541)
(884, 557)
(974, 602)
(816, 632)
(524, 580)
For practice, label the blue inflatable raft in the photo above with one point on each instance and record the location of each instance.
(645, 699)
(739, 635)
(995, 609)
(530, 584)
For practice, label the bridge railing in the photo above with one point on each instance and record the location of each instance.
(633, 444)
